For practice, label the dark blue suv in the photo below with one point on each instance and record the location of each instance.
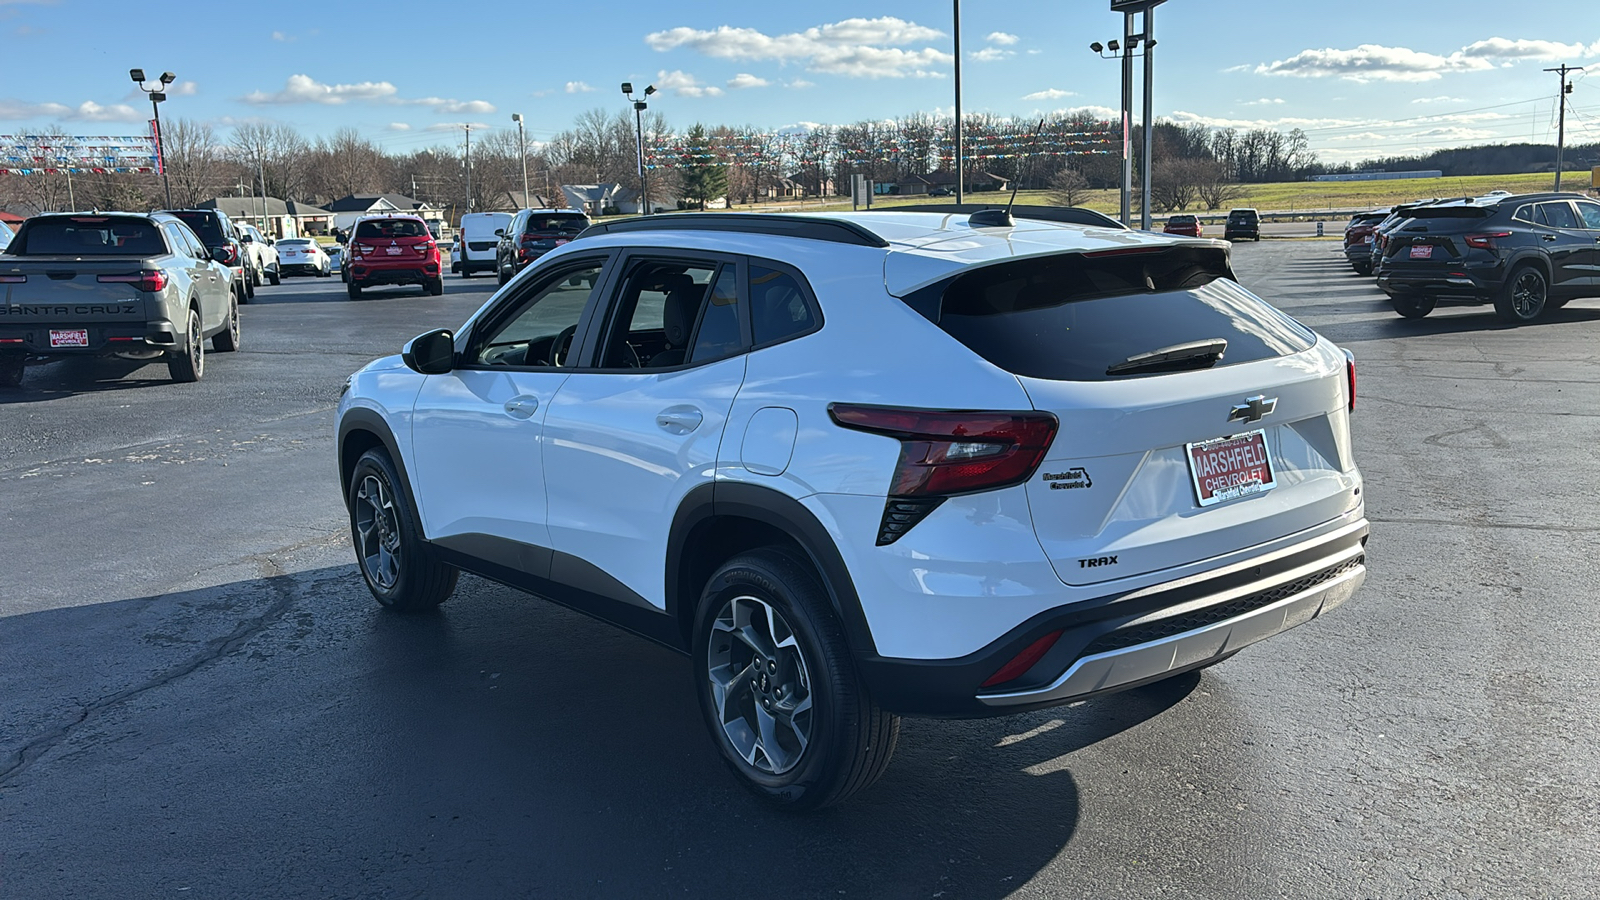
(1524, 253)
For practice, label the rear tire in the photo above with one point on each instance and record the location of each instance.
(435, 287)
(11, 368)
(227, 340)
(249, 289)
(354, 290)
(275, 277)
(778, 687)
(1523, 296)
(1413, 306)
(1362, 268)
(465, 272)
(400, 568)
(189, 365)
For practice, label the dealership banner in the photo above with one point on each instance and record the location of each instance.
(84, 154)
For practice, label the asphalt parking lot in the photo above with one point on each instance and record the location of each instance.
(202, 700)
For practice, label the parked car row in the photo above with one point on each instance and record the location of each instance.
(1523, 253)
(1241, 223)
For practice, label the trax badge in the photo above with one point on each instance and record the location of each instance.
(1097, 561)
(1072, 478)
(1253, 408)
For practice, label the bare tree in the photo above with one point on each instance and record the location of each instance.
(1215, 188)
(344, 164)
(195, 162)
(274, 153)
(1068, 187)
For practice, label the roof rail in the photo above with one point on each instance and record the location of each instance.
(817, 229)
(1072, 215)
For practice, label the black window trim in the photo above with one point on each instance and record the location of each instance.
(599, 336)
(1572, 210)
(806, 292)
(505, 308)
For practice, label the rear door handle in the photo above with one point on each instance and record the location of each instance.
(1547, 237)
(522, 407)
(679, 419)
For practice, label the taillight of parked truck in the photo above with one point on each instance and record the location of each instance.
(152, 280)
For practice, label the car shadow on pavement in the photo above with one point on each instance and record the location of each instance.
(64, 377)
(286, 731)
(1451, 320)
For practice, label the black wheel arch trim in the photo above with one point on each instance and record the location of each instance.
(783, 513)
(362, 419)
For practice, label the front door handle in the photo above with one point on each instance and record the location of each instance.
(1548, 237)
(679, 419)
(522, 407)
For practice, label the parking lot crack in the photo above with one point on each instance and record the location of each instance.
(277, 581)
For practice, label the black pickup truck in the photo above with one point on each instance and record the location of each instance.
(113, 284)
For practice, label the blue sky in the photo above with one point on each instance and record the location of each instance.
(1363, 79)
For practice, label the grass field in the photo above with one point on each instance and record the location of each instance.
(1288, 195)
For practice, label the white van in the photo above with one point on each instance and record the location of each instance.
(475, 245)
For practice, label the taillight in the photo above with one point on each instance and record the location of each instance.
(1023, 661)
(1485, 240)
(152, 280)
(1350, 376)
(360, 250)
(13, 279)
(422, 249)
(944, 453)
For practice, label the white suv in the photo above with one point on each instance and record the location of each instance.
(871, 465)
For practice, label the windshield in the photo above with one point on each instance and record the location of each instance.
(88, 236)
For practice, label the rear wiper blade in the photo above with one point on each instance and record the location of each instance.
(1193, 355)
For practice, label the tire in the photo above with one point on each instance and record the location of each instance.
(11, 368)
(500, 275)
(255, 277)
(275, 277)
(435, 287)
(227, 340)
(249, 290)
(354, 290)
(1362, 269)
(465, 272)
(401, 569)
(189, 365)
(1523, 296)
(1413, 306)
(828, 744)
(326, 272)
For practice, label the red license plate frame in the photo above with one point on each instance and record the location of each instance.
(1227, 468)
(1422, 251)
(69, 337)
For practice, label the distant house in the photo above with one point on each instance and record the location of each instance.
(347, 209)
(274, 217)
(977, 180)
(613, 198)
(511, 201)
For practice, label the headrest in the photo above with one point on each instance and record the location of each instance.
(679, 308)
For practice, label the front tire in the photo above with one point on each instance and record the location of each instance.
(354, 290)
(1413, 306)
(778, 688)
(275, 277)
(189, 365)
(399, 567)
(1523, 296)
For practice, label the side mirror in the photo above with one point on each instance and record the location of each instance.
(499, 232)
(247, 238)
(221, 254)
(432, 353)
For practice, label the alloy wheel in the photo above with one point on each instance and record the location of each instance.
(378, 532)
(197, 351)
(1528, 294)
(760, 687)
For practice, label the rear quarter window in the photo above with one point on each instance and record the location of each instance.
(1071, 317)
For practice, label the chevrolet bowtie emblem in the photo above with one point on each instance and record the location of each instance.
(1253, 408)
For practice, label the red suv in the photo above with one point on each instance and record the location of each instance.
(1358, 238)
(1187, 225)
(393, 250)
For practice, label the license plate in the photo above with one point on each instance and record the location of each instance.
(69, 337)
(393, 251)
(560, 241)
(1422, 251)
(1229, 467)
(1366, 239)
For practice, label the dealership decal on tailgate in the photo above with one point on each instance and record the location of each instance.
(69, 337)
(1229, 467)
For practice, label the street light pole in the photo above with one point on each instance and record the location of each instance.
(639, 106)
(960, 154)
(522, 148)
(1127, 119)
(1149, 122)
(157, 95)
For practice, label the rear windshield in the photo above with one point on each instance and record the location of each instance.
(1073, 317)
(88, 236)
(1450, 212)
(1242, 214)
(1180, 220)
(205, 225)
(557, 224)
(391, 228)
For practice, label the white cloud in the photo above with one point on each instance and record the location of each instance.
(855, 48)
(305, 89)
(1375, 62)
(746, 80)
(399, 126)
(1454, 133)
(1000, 37)
(183, 89)
(1049, 94)
(456, 126)
(442, 105)
(684, 84)
(991, 54)
(802, 83)
(1440, 99)
(280, 36)
(579, 87)
(1264, 101)
(1361, 136)
(87, 111)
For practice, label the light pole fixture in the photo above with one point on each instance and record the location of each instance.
(522, 147)
(1129, 46)
(639, 106)
(157, 95)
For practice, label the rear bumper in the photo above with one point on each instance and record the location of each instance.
(1469, 283)
(104, 339)
(1229, 234)
(420, 273)
(1361, 253)
(1122, 641)
(300, 269)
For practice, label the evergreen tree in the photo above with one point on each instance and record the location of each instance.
(705, 177)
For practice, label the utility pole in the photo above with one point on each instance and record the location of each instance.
(1149, 119)
(1561, 127)
(1127, 118)
(468, 128)
(522, 150)
(960, 154)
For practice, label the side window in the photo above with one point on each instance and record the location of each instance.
(1525, 214)
(719, 333)
(1591, 215)
(661, 303)
(197, 247)
(779, 307)
(539, 331)
(1557, 215)
(176, 242)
